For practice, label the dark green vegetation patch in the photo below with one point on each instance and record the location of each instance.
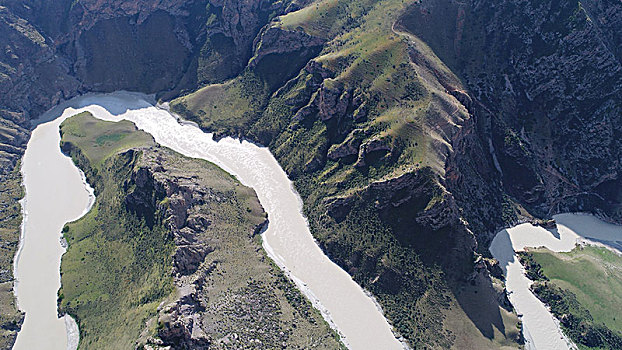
(117, 268)
(10, 220)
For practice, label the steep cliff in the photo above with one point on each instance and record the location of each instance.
(548, 75)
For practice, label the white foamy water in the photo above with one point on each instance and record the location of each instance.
(541, 329)
(287, 239)
(56, 193)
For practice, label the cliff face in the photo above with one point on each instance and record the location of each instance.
(32, 79)
(55, 50)
(548, 76)
(228, 294)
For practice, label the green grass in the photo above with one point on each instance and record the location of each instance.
(100, 139)
(117, 268)
(10, 220)
(583, 289)
(225, 108)
(593, 274)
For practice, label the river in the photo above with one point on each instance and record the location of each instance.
(54, 188)
(540, 328)
(56, 192)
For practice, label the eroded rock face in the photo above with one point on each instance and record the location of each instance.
(54, 50)
(550, 94)
(32, 79)
(417, 191)
(233, 31)
(349, 147)
(147, 189)
(275, 40)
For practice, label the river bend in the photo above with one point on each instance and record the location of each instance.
(287, 240)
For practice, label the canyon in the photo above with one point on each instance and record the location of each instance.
(413, 131)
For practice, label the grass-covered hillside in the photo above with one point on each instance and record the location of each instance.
(583, 288)
(117, 268)
(169, 254)
(364, 128)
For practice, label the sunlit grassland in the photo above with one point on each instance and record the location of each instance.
(117, 268)
(593, 274)
(100, 139)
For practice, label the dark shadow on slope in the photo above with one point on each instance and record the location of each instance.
(479, 301)
(554, 232)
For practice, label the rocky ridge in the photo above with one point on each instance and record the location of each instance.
(204, 313)
(549, 101)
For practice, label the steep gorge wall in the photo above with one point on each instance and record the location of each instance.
(548, 76)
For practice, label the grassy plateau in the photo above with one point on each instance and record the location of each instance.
(584, 290)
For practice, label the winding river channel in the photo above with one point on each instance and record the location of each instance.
(56, 193)
(540, 328)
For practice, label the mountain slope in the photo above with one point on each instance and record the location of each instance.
(549, 74)
(366, 129)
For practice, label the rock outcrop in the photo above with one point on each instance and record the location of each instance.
(275, 41)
